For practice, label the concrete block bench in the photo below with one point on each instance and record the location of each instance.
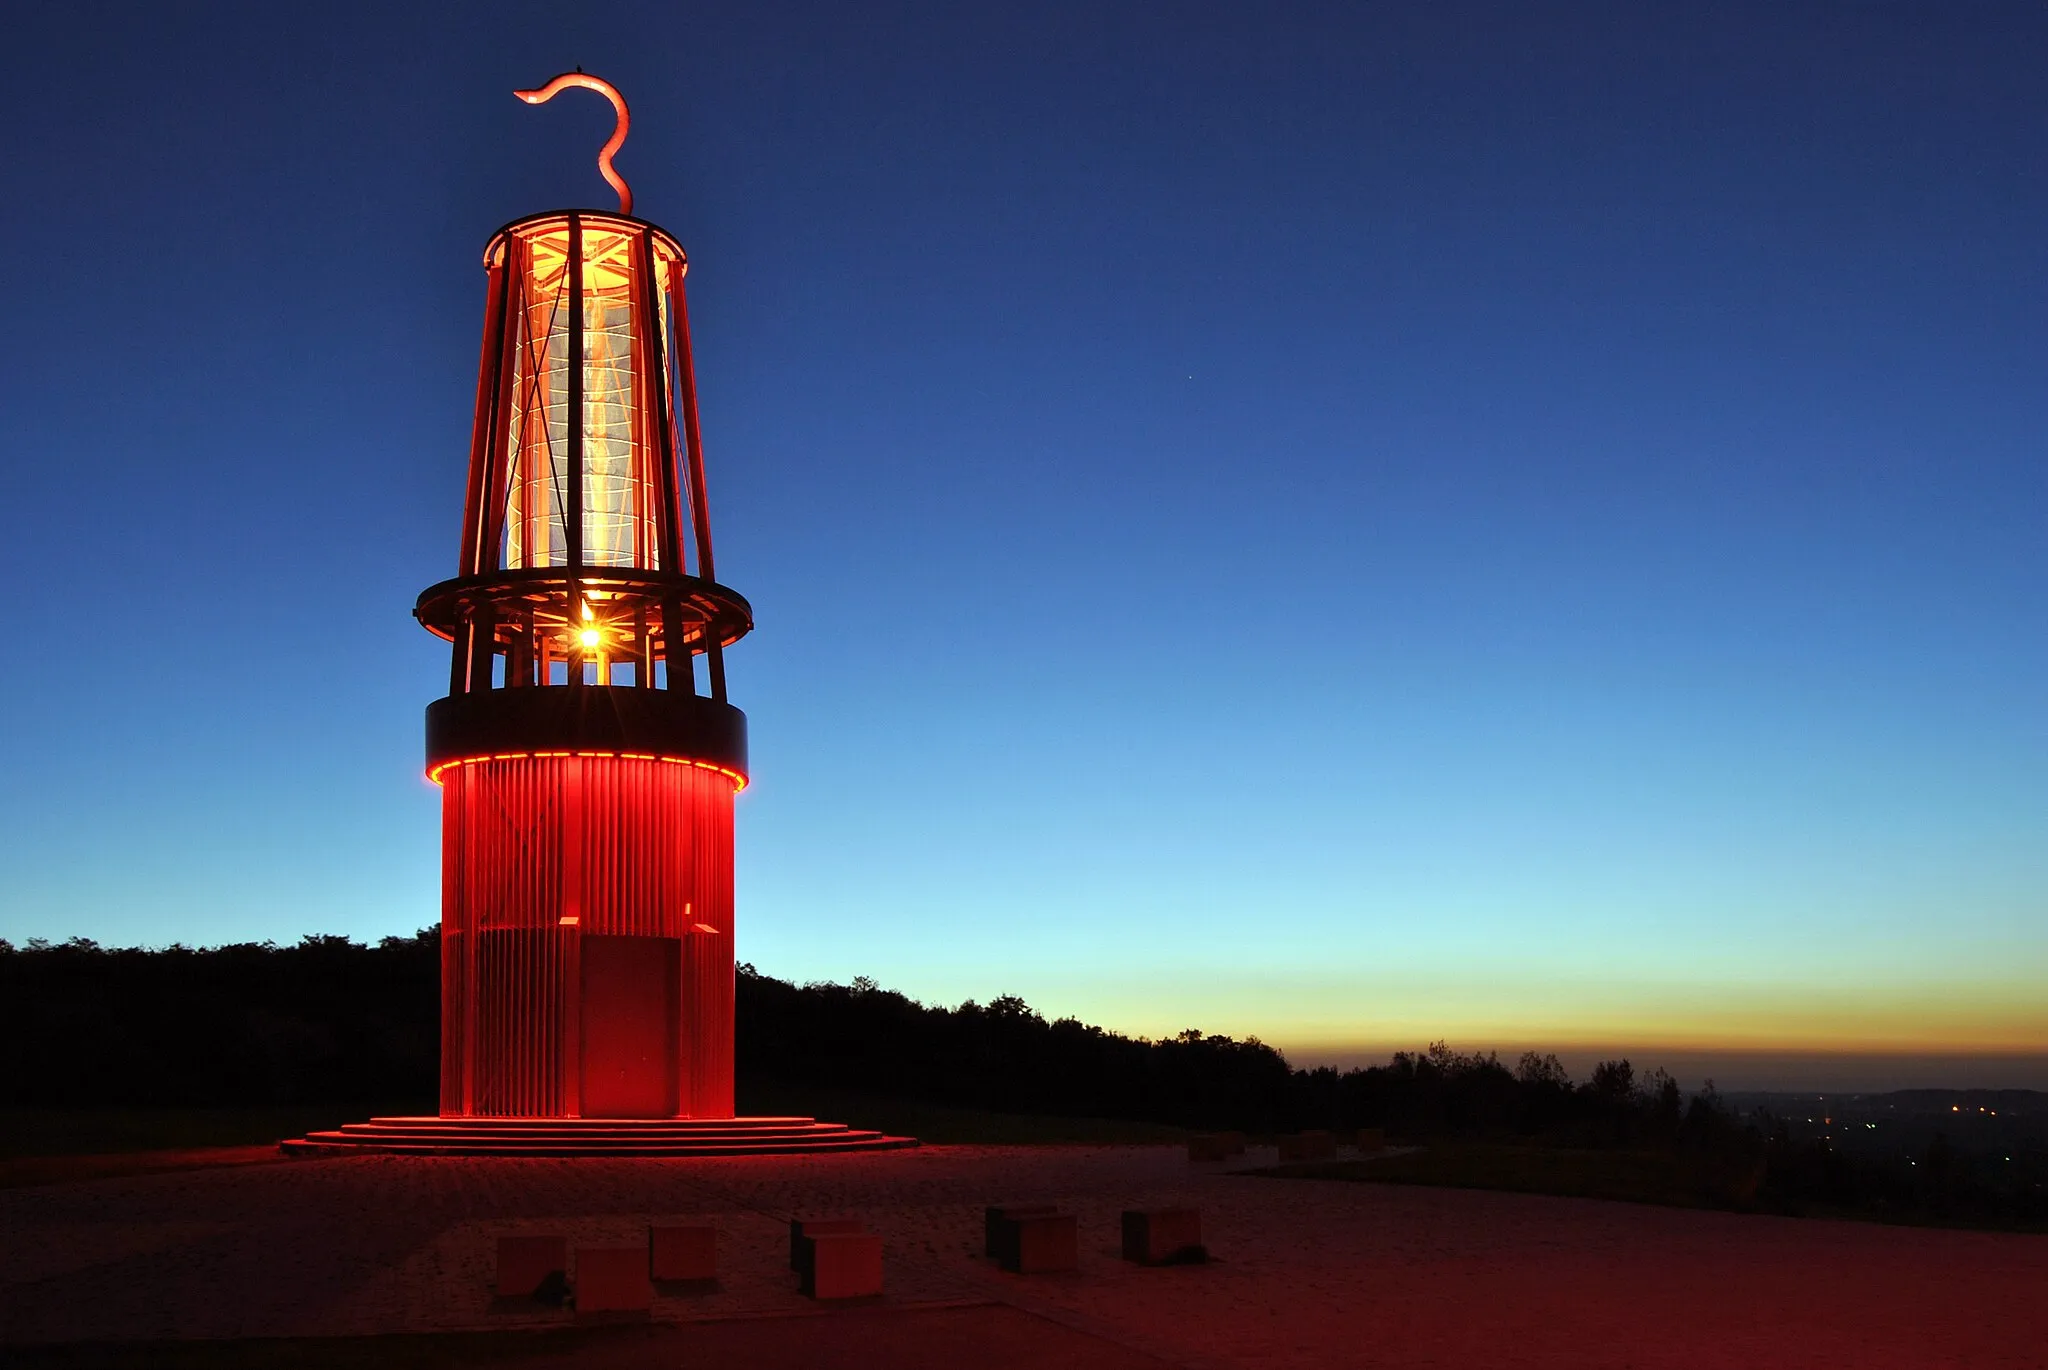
(1164, 1236)
(998, 1225)
(842, 1265)
(801, 1228)
(1308, 1146)
(1040, 1243)
(1215, 1146)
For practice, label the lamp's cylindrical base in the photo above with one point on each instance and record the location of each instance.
(587, 967)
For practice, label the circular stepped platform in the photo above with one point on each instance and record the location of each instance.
(591, 1137)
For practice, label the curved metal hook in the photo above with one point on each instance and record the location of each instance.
(618, 139)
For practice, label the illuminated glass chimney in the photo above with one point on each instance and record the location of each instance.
(587, 768)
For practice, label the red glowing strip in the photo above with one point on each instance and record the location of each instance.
(739, 781)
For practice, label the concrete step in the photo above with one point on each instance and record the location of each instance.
(616, 1134)
(592, 1137)
(486, 1120)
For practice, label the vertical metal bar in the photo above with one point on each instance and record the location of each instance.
(483, 647)
(458, 655)
(661, 414)
(451, 942)
(642, 480)
(572, 519)
(530, 496)
(497, 482)
(700, 511)
(490, 365)
(463, 901)
(570, 816)
(682, 671)
(714, 657)
(519, 652)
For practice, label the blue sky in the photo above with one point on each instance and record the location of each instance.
(1358, 523)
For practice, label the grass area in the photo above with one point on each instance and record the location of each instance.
(60, 1145)
(1671, 1179)
(941, 1124)
(1651, 1177)
(105, 1131)
(19, 1171)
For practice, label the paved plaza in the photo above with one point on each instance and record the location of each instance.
(1307, 1273)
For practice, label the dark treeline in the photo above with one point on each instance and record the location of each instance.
(1003, 1056)
(329, 1020)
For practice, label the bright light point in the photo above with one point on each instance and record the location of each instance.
(589, 637)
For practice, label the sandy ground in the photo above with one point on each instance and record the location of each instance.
(1309, 1273)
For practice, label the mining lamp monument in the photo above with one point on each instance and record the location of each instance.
(586, 750)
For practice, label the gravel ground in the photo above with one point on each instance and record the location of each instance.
(1308, 1273)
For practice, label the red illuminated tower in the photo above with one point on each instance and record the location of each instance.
(586, 750)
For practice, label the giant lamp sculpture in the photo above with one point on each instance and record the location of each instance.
(587, 754)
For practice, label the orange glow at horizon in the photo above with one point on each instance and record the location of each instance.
(1986, 1026)
(1894, 1013)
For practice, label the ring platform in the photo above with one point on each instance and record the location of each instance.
(568, 1137)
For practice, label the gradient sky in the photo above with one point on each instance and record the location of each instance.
(1515, 523)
